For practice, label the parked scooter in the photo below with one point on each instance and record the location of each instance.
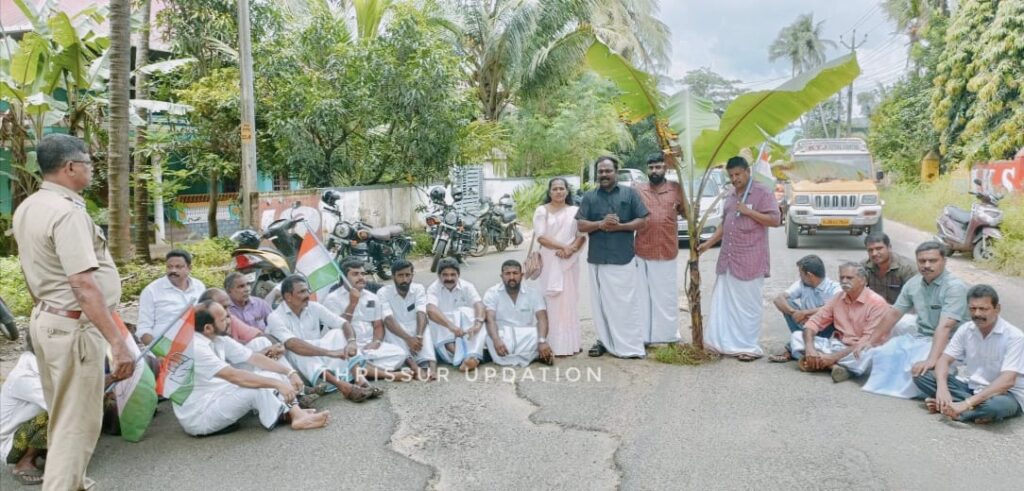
(265, 267)
(378, 247)
(973, 231)
(455, 234)
(498, 226)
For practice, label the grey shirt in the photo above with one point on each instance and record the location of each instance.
(611, 247)
(945, 296)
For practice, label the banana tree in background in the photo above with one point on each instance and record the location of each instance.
(684, 120)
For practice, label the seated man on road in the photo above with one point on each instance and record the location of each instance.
(991, 387)
(319, 344)
(887, 271)
(163, 301)
(251, 310)
(803, 299)
(222, 394)
(517, 320)
(854, 314)
(248, 336)
(23, 420)
(456, 317)
(364, 313)
(405, 317)
(940, 300)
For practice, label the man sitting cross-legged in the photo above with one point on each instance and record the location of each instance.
(517, 320)
(854, 314)
(990, 387)
(803, 299)
(222, 394)
(455, 311)
(319, 344)
(363, 311)
(240, 331)
(405, 317)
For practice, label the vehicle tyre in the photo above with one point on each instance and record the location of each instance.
(792, 234)
(480, 247)
(983, 250)
(438, 254)
(502, 244)
(384, 271)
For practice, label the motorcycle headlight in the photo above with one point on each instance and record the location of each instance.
(869, 199)
(363, 235)
(342, 230)
(802, 199)
(432, 221)
(451, 218)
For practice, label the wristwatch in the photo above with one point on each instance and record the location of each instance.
(542, 340)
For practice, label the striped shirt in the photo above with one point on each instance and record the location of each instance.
(744, 252)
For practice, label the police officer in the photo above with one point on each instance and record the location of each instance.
(75, 284)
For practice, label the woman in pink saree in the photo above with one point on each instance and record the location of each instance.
(554, 225)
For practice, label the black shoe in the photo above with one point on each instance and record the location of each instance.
(597, 349)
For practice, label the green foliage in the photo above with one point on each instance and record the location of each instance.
(215, 252)
(12, 286)
(527, 199)
(645, 143)
(135, 277)
(384, 109)
(901, 132)
(707, 84)
(1010, 251)
(424, 244)
(558, 134)
(801, 44)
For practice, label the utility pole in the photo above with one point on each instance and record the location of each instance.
(849, 101)
(248, 126)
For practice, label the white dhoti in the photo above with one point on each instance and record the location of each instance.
(386, 357)
(469, 347)
(226, 406)
(257, 345)
(734, 323)
(425, 355)
(658, 298)
(312, 367)
(828, 346)
(521, 343)
(890, 375)
(613, 294)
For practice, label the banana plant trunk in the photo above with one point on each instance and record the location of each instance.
(692, 215)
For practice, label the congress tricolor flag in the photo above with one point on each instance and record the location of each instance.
(135, 396)
(315, 263)
(175, 349)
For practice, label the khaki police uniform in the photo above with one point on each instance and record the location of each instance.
(57, 239)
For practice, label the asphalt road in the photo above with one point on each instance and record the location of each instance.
(605, 423)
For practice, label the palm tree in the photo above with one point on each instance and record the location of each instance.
(140, 237)
(117, 154)
(911, 17)
(801, 44)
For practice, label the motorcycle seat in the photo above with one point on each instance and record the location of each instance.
(386, 233)
(508, 217)
(958, 214)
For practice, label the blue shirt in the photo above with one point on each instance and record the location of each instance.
(611, 247)
(807, 297)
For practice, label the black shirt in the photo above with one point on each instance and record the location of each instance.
(611, 247)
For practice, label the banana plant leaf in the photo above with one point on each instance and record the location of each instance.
(689, 115)
(767, 112)
(639, 92)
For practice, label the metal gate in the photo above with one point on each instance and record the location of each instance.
(470, 180)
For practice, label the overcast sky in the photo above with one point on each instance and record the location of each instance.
(732, 37)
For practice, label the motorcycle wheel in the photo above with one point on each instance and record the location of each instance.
(502, 244)
(983, 250)
(480, 248)
(438, 254)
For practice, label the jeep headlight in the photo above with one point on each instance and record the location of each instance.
(801, 199)
(869, 199)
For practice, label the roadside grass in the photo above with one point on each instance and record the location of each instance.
(681, 354)
(919, 205)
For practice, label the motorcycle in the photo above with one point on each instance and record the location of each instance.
(498, 224)
(454, 234)
(378, 247)
(265, 267)
(973, 231)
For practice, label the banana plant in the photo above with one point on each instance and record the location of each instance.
(683, 120)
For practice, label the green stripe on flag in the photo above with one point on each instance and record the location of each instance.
(138, 411)
(162, 347)
(323, 277)
(184, 390)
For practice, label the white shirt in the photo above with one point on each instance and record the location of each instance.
(806, 297)
(404, 309)
(283, 324)
(365, 314)
(21, 399)
(463, 295)
(986, 357)
(162, 303)
(521, 313)
(209, 356)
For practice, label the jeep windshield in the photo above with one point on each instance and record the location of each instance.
(823, 168)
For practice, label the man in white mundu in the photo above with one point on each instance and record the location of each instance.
(222, 394)
(364, 312)
(657, 246)
(405, 318)
(456, 317)
(610, 215)
(517, 320)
